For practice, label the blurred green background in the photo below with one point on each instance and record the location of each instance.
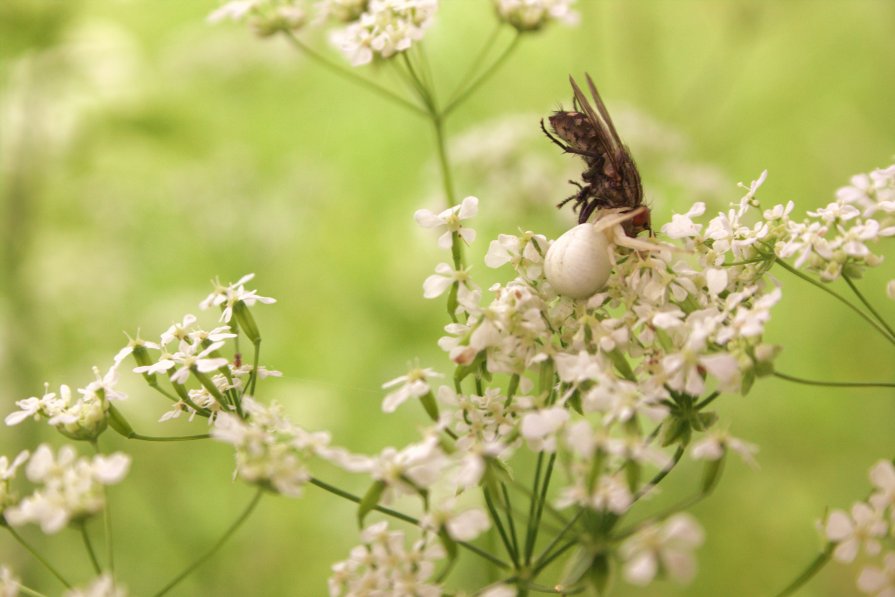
(145, 152)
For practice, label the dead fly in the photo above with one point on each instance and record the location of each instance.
(611, 180)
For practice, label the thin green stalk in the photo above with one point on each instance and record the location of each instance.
(28, 591)
(214, 548)
(498, 524)
(176, 438)
(476, 64)
(426, 70)
(401, 516)
(834, 384)
(678, 454)
(553, 556)
(708, 400)
(352, 76)
(472, 87)
(867, 304)
(107, 521)
(553, 511)
(837, 296)
(254, 381)
(35, 553)
(154, 385)
(426, 94)
(531, 531)
(808, 573)
(543, 500)
(545, 558)
(89, 546)
(679, 507)
(510, 523)
(107, 530)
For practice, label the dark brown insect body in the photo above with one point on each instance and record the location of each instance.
(611, 179)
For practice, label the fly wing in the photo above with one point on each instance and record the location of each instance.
(601, 131)
(619, 156)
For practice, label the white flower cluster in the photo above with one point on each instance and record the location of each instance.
(343, 10)
(865, 529)
(103, 586)
(229, 296)
(70, 487)
(9, 583)
(271, 451)
(665, 547)
(81, 418)
(385, 28)
(674, 327)
(188, 352)
(531, 15)
(265, 17)
(837, 239)
(384, 565)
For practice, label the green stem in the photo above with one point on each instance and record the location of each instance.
(541, 502)
(401, 516)
(34, 553)
(553, 556)
(678, 454)
(89, 545)
(28, 591)
(813, 568)
(545, 558)
(352, 76)
(479, 59)
(509, 508)
(837, 296)
(425, 94)
(107, 521)
(531, 531)
(708, 400)
(472, 87)
(834, 384)
(176, 438)
(154, 385)
(498, 524)
(214, 548)
(254, 379)
(867, 304)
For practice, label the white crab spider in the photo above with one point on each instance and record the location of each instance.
(579, 262)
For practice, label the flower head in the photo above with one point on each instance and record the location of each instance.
(450, 221)
(531, 15)
(70, 487)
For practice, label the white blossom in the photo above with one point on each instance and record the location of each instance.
(228, 296)
(716, 443)
(530, 15)
(450, 221)
(414, 384)
(103, 586)
(877, 581)
(70, 487)
(383, 565)
(666, 547)
(863, 527)
(9, 583)
(385, 28)
(270, 450)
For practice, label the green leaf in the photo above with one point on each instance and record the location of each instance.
(370, 501)
(119, 423)
(599, 574)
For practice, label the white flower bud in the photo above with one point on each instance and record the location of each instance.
(577, 264)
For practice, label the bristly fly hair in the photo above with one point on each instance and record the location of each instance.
(611, 180)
